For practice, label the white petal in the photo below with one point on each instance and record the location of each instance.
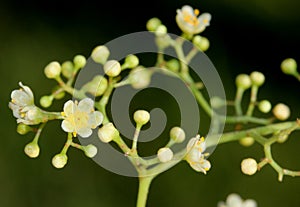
(27, 90)
(69, 107)
(16, 109)
(21, 98)
(221, 204)
(86, 105)
(84, 132)
(188, 9)
(191, 143)
(249, 203)
(206, 165)
(67, 126)
(234, 200)
(197, 167)
(95, 119)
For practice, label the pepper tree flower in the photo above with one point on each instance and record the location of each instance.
(189, 22)
(22, 105)
(234, 200)
(195, 156)
(80, 118)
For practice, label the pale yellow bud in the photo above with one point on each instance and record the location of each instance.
(281, 111)
(141, 117)
(249, 166)
(164, 154)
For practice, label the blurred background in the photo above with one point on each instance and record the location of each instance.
(244, 35)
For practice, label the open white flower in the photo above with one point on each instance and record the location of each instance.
(80, 118)
(196, 156)
(189, 22)
(234, 200)
(22, 105)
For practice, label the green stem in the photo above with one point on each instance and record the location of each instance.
(135, 139)
(253, 98)
(191, 54)
(144, 185)
(237, 101)
(67, 144)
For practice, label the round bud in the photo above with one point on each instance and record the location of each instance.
(163, 41)
(257, 78)
(173, 65)
(112, 68)
(164, 154)
(152, 24)
(46, 101)
(52, 70)
(161, 30)
(141, 117)
(217, 102)
(90, 150)
(67, 69)
(177, 134)
(249, 166)
(59, 160)
(97, 86)
(79, 61)
(23, 129)
(247, 141)
(131, 61)
(108, 132)
(264, 106)
(202, 43)
(289, 66)
(281, 111)
(32, 149)
(59, 95)
(139, 77)
(243, 81)
(100, 54)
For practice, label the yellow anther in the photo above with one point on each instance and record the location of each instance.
(13, 101)
(74, 134)
(63, 113)
(196, 12)
(22, 115)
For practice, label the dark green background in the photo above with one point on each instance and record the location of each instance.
(245, 36)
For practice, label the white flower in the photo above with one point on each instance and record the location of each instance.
(195, 156)
(80, 118)
(189, 22)
(234, 200)
(22, 105)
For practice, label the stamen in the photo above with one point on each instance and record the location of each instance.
(196, 12)
(74, 134)
(63, 113)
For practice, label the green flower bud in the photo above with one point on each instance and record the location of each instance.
(52, 70)
(177, 134)
(257, 78)
(161, 30)
(112, 68)
(249, 166)
(216, 102)
(282, 137)
(289, 66)
(59, 95)
(32, 149)
(141, 117)
(202, 43)
(131, 61)
(152, 24)
(67, 69)
(139, 77)
(79, 61)
(59, 160)
(163, 41)
(46, 101)
(164, 154)
(173, 65)
(97, 86)
(108, 132)
(281, 111)
(100, 54)
(247, 141)
(243, 81)
(264, 106)
(90, 150)
(23, 129)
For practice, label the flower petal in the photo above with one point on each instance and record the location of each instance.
(86, 105)
(27, 90)
(95, 119)
(69, 108)
(84, 132)
(67, 126)
(234, 200)
(249, 203)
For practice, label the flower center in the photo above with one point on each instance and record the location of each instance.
(191, 18)
(78, 119)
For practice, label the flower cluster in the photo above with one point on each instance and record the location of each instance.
(234, 200)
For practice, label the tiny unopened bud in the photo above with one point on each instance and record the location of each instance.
(161, 30)
(131, 61)
(141, 117)
(90, 150)
(243, 81)
(67, 69)
(59, 160)
(112, 68)
(23, 129)
(52, 70)
(108, 132)
(257, 78)
(32, 149)
(281, 111)
(139, 77)
(264, 106)
(289, 66)
(100, 54)
(46, 101)
(97, 86)
(177, 134)
(164, 154)
(79, 61)
(249, 166)
(217, 102)
(202, 43)
(152, 24)
(247, 141)
(173, 65)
